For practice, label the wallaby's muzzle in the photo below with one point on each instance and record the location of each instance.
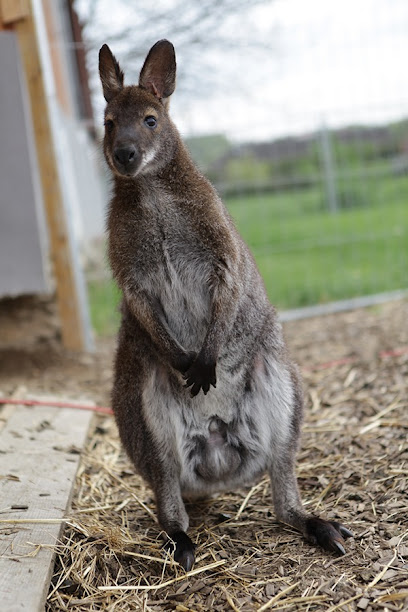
(126, 159)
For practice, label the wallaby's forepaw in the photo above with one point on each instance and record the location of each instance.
(185, 361)
(200, 375)
(184, 549)
(330, 535)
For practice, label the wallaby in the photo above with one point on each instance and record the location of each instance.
(205, 395)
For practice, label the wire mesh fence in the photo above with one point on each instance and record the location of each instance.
(325, 214)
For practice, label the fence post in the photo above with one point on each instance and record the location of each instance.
(328, 169)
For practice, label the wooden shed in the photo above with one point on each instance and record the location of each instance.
(48, 170)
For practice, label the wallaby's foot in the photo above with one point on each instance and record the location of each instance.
(330, 535)
(184, 550)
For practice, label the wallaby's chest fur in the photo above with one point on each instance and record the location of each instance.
(156, 248)
(224, 438)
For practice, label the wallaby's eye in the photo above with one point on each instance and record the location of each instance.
(150, 121)
(109, 125)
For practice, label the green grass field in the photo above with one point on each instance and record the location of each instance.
(308, 255)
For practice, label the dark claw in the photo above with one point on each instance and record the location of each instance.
(340, 547)
(186, 559)
(346, 533)
(327, 534)
(195, 389)
(184, 549)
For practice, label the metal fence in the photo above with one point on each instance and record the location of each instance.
(325, 214)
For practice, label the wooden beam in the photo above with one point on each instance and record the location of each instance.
(57, 53)
(40, 453)
(80, 56)
(73, 325)
(13, 10)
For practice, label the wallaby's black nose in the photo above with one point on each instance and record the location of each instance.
(125, 155)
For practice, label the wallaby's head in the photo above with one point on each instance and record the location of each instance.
(139, 136)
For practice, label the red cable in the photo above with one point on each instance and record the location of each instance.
(338, 362)
(329, 364)
(106, 410)
(28, 402)
(394, 353)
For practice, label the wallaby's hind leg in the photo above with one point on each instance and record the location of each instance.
(172, 514)
(329, 535)
(160, 471)
(156, 464)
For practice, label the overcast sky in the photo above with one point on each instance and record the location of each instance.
(332, 61)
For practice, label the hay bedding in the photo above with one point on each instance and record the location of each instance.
(353, 467)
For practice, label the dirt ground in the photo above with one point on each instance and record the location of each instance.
(352, 467)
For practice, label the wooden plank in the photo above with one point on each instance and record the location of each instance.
(39, 451)
(13, 10)
(73, 325)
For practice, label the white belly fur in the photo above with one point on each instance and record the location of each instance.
(257, 422)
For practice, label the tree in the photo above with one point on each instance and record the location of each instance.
(213, 37)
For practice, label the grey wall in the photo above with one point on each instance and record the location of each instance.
(23, 240)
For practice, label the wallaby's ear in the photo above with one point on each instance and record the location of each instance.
(110, 73)
(158, 74)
